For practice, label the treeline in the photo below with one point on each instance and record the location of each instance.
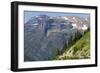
(72, 40)
(68, 43)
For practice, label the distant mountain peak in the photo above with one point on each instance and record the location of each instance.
(47, 23)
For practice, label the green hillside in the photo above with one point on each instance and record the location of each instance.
(79, 50)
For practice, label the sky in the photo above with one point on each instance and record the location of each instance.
(29, 14)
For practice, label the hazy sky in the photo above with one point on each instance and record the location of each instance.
(29, 14)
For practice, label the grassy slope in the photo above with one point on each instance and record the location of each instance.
(80, 50)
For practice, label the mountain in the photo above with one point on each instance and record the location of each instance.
(78, 21)
(43, 35)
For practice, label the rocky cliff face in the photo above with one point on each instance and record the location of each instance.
(43, 35)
